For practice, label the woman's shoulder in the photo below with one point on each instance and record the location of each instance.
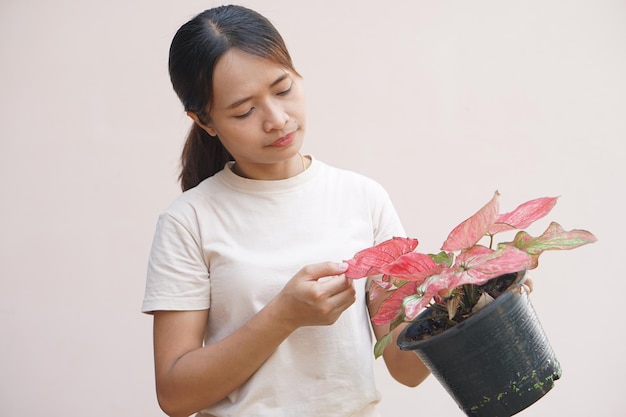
(195, 199)
(350, 178)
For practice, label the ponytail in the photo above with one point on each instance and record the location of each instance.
(203, 156)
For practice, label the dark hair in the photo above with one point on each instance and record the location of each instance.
(194, 52)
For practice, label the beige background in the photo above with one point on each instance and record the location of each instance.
(441, 101)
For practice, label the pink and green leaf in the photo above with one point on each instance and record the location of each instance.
(412, 266)
(386, 340)
(368, 262)
(379, 287)
(389, 308)
(524, 215)
(481, 264)
(445, 259)
(554, 238)
(415, 303)
(382, 343)
(452, 306)
(470, 231)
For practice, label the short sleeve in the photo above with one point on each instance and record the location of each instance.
(177, 277)
(386, 221)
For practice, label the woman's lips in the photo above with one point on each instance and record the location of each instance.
(284, 140)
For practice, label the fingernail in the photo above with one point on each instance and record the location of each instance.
(343, 267)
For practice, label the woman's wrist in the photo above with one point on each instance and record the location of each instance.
(276, 318)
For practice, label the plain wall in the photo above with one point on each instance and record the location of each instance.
(443, 102)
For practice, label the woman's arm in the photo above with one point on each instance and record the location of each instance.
(190, 377)
(404, 366)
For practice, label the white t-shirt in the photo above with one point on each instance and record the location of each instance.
(230, 245)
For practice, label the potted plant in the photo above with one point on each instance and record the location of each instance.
(472, 323)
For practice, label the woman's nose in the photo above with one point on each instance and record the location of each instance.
(275, 117)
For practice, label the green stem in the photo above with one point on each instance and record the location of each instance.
(470, 295)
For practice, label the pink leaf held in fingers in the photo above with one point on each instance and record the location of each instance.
(369, 262)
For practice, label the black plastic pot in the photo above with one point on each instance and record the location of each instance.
(494, 364)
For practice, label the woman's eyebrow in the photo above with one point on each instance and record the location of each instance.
(243, 100)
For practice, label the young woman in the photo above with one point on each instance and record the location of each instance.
(252, 313)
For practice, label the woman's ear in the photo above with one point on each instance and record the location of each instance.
(207, 127)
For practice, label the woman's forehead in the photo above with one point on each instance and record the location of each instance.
(238, 74)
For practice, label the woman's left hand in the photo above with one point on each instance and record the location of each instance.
(527, 285)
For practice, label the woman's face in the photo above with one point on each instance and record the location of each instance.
(258, 113)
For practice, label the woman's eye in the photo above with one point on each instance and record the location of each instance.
(285, 92)
(246, 114)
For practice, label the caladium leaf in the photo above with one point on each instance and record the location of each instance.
(482, 302)
(504, 260)
(382, 343)
(415, 303)
(444, 258)
(380, 287)
(480, 264)
(554, 238)
(472, 256)
(412, 266)
(468, 233)
(452, 306)
(389, 308)
(524, 215)
(368, 262)
(386, 340)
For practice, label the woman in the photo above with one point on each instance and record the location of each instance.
(252, 313)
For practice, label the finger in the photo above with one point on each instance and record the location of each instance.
(341, 308)
(344, 299)
(336, 285)
(314, 272)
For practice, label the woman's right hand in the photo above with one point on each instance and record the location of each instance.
(315, 296)
(191, 376)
